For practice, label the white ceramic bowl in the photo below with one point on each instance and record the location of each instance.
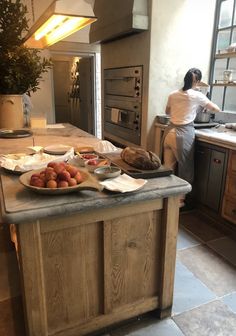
(107, 172)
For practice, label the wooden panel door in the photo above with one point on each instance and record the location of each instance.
(133, 261)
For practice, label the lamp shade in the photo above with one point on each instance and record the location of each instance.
(61, 19)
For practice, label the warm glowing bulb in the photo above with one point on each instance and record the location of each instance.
(49, 26)
(67, 27)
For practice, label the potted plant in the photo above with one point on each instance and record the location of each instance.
(21, 68)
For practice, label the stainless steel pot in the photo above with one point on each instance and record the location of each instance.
(203, 116)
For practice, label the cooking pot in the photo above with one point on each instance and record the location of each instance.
(203, 116)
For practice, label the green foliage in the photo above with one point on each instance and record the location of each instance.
(21, 68)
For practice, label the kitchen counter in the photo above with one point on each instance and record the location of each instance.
(19, 204)
(91, 259)
(220, 136)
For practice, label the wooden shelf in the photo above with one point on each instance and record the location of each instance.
(226, 55)
(223, 84)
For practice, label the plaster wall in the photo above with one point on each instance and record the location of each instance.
(181, 38)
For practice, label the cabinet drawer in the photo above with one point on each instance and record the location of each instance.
(229, 209)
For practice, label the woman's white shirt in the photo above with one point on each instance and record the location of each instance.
(183, 105)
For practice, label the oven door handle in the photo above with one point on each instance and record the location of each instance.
(121, 78)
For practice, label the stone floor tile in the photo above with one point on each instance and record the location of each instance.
(11, 318)
(152, 327)
(211, 319)
(189, 292)
(230, 301)
(218, 275)
(200, 226)
(186, 239)
(226, 247)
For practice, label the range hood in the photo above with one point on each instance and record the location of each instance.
(118, 18)
(61, 19)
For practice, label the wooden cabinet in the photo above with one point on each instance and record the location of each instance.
(229, 202)
(83, 272)
(210, 169)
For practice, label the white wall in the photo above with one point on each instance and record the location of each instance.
(181, 38)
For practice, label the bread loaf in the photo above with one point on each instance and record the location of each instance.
(141, 159)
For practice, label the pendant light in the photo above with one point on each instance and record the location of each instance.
(61, 19)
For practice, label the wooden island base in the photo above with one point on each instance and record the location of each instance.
(86, 271)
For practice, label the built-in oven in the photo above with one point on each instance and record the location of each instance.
(123, 103)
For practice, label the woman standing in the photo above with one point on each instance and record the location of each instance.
(179, 136)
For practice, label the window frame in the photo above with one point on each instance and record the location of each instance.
(216, 31)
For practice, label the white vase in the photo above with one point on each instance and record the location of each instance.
(11, 111)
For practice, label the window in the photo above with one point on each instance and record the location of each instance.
(224, 55)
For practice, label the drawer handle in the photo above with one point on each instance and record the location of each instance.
(132, 244)
(217, 161)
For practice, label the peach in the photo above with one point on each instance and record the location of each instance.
(50, 175)
(51, 164)
(37, 182)
(64, 176)
(59, 167)
(72, 182)
(36, 175)
(47, 169)
(51, 184)
(78, 177)
(62, 184)
(42, 175)
(71, 169)
(63, 163)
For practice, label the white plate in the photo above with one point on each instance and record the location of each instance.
(123, 183)
(56, 149)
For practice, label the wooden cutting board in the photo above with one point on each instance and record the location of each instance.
(134, 172)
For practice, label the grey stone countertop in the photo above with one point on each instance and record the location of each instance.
(19, 204)
(220, 136)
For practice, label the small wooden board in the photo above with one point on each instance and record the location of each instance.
(134, 172)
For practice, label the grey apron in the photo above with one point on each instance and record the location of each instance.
(185, 136)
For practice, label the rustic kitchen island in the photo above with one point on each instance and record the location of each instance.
(91, 259)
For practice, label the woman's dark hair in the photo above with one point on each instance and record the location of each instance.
(188, 78)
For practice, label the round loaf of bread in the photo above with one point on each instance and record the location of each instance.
(140, 159)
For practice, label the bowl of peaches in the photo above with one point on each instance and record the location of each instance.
(59, 178)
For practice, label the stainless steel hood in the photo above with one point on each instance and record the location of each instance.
(118, 18)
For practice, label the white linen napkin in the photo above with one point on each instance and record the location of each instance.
(123, 183)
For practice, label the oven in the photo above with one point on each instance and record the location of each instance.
(123, 103)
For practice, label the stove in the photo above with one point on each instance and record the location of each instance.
(205, 125)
